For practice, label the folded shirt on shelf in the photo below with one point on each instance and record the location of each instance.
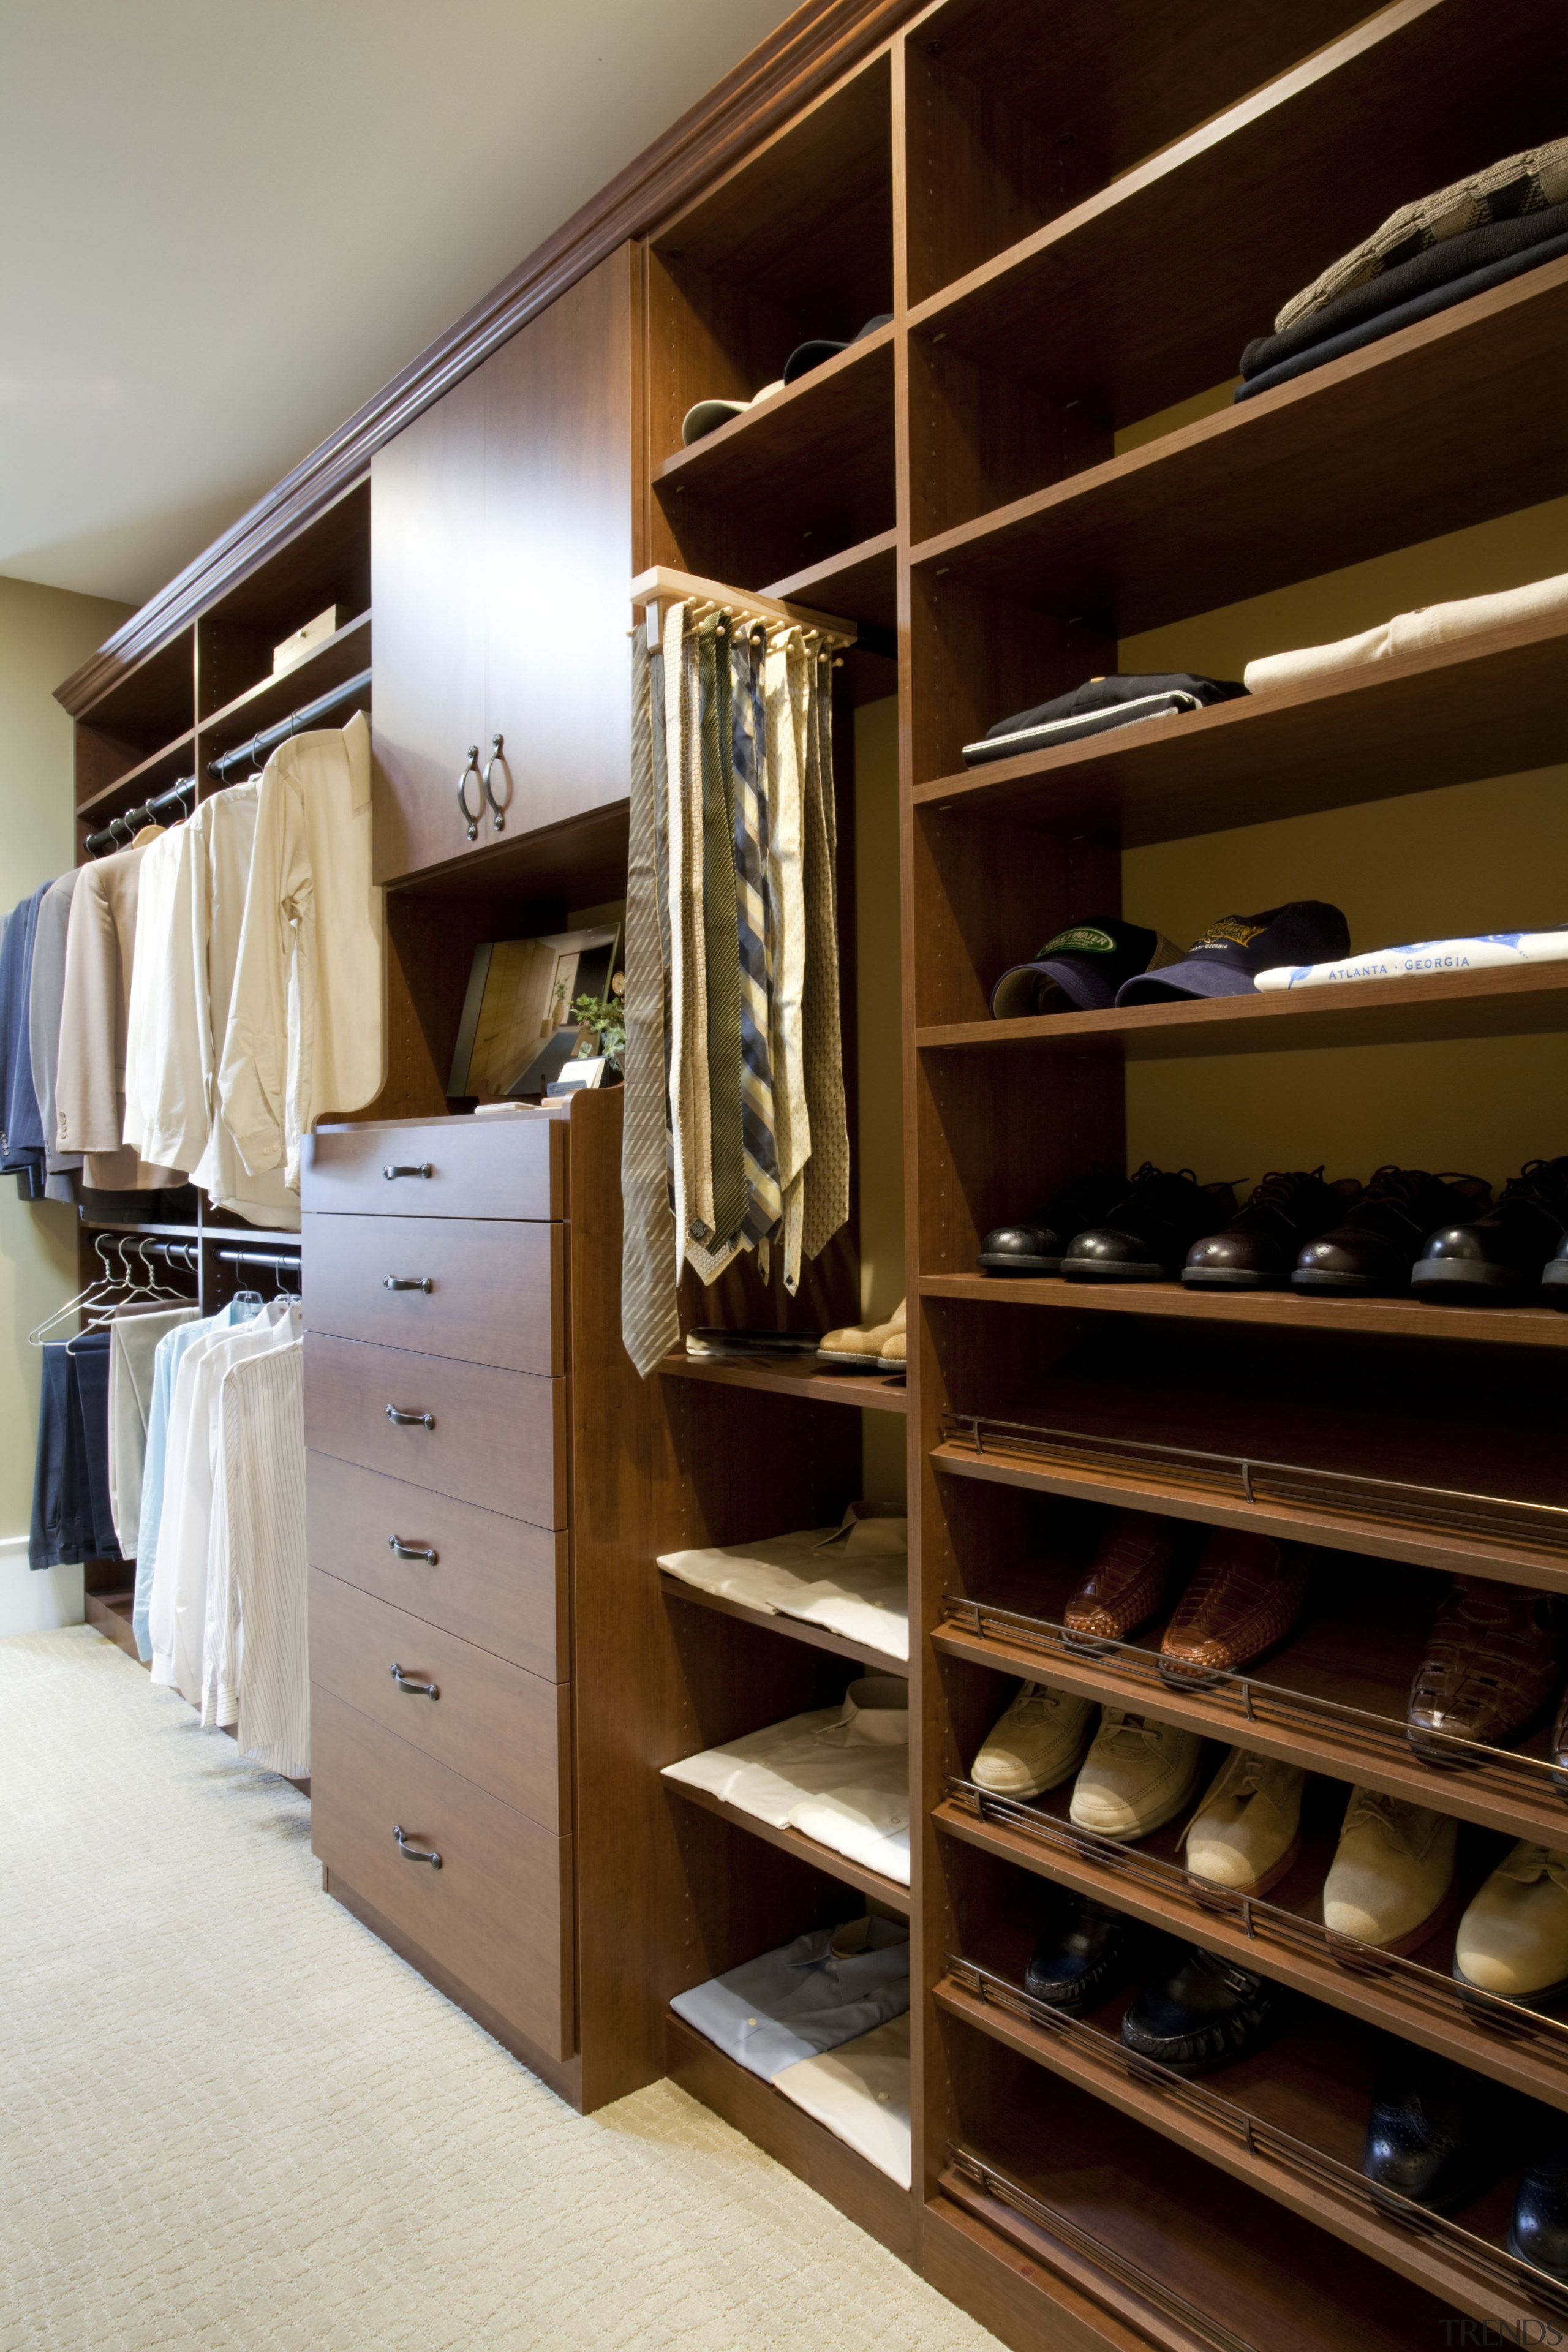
(1097, 706)
(852, 1579)
(1529, 182)
(848, 1766)
(1416, 632)
(861, 2092)
(828, 1987)
(1486, 948)
(1334, 344)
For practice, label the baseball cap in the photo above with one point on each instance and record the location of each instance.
(1228, 958)
(1080, 969)
(806, 356)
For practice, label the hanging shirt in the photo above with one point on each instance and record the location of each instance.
(176, 1615)
(89, 1086)
(312, 916)
(187, 958)
(256, 1661)
(167, 1360)
(21, 1135)
(132, 1351)
(45, 999)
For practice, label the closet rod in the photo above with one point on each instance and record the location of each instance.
(122, 829)
(271, 737)
(188, 1253)
(659, 586)
(285, 1263)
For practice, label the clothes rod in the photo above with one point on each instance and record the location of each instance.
(122, 829)
(285, 1262)
(659, 586)
(297, 721)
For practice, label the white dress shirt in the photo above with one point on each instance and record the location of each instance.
(306, 1032)
(862, 2092)
(852, 1579)
(256, 1663)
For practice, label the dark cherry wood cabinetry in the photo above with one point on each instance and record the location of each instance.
(501, 545)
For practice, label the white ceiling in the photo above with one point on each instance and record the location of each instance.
(225, 224)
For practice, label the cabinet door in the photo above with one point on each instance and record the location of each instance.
(427, 595)
(559, 444)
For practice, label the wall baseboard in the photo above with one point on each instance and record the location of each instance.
(35, 1603)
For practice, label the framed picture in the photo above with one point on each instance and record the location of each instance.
(517, 1032)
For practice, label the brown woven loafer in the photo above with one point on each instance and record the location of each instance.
(1125, 1582)
(1494, 1661)
(1246, 1595)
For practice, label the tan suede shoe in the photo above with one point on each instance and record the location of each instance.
(858, 1347)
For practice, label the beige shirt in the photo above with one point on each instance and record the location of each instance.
(312, 932)
(90, 1083)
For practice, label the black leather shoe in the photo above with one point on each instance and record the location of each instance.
(1036, 1245)
(1434, 2132)
(1554, 1278)
(1373, 1249)
(1258, 1248)
(1204, 2013)
(1497, 1255)
(1146, 1236)
(1084, 1958)
(1538, 2232)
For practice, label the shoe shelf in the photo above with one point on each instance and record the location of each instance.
(1061, 2191)
(1280, 1935)
(1248, 201)
(1291, 2127)
(1332, 1701)
(1504, 1001)
(790, 1375)
(1522, 1327)
(1488, 705)
(791, 2138)
(793, 1629)
(1390, 445)
(820, 1857)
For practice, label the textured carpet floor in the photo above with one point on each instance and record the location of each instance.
(230, 2118)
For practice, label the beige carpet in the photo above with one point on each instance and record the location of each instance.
(230, 2118)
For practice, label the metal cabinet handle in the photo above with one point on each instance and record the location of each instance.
(412, 1551)
(498, 808)
(408, 1282)
(412, 1852)
(410, 1420)
(472, 815)
(414, 1690)
(393, 1170)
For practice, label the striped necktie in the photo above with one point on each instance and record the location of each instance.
(753, 909)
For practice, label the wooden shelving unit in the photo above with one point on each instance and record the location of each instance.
(788, 1375)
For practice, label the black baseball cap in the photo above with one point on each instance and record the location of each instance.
(1080, 969)
(806, 356)
(1233, 950)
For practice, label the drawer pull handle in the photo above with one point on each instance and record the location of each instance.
(412, 1852)
(411, 1551)
(407, 1282)
(414, 1690)
(424, 1169)
(410, 1420)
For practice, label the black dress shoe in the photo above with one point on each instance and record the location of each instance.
(1538, 2232)
(1146, 1236)
(1084, 1958)
(1554, 1278)
(1373, 1249)
(1497, 1255)
(1204, 2013)
(1434, 2133)
(1258, 1248)
(1035, 1246)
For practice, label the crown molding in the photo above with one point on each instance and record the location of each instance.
(808, 53)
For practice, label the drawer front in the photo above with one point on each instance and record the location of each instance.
(496, 1439)
(496, 1293)
(497, 1583)
(498, 1913)
(513, 1165)
(489, 1720)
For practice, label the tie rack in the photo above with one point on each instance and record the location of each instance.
(659, 586)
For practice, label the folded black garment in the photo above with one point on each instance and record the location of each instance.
(1423, 306)
(1096, 707)
(1440, 265)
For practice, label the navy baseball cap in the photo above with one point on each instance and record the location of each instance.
(1225, 961)
(1081, 969)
